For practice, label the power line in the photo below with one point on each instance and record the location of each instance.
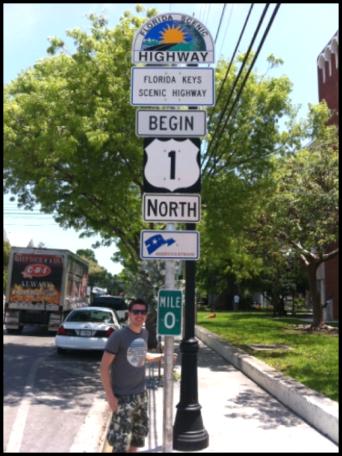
(219, 26)
(227, 27)
(231, 61)
(223, 112)
(25, 224)
(247, 75)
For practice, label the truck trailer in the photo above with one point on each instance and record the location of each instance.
(44, 285)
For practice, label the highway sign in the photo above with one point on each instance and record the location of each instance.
(169, 320)
(172, 38)
(172, 86)
(169, 245)
(158, 123)
(172, 165)
(171, 207)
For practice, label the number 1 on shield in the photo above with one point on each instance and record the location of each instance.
(172, 155)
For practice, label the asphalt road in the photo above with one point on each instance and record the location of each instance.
(52, 403)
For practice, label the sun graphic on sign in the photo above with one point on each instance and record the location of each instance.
(173, 35)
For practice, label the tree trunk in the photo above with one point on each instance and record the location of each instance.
(278, 302)
(318, 320)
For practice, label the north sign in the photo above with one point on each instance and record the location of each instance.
(159, 123)
(172, 165)
(171, 207)
(173, 38)
(172, 86)
(169, 245)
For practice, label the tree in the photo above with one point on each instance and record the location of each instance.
(70, 139)
(87, 253)
(301, 210)
(6, 250)
(70, 145)
(97, 275)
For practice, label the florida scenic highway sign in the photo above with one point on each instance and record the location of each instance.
(173, 38)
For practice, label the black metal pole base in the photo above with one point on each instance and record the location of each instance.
(188, 431)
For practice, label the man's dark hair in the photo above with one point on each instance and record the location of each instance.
(137, 301)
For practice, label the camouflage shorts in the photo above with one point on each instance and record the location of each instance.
(129, 424)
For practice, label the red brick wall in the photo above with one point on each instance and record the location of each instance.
(328, 88)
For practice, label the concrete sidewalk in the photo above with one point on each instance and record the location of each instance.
(238, 415)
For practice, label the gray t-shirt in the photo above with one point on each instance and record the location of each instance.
(128, 367)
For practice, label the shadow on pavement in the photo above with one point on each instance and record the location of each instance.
(265, 409)
(60, 381)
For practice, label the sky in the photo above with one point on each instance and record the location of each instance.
(297, 36)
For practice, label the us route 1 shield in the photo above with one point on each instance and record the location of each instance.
(172, 165)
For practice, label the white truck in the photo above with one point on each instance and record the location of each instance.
(44, 285)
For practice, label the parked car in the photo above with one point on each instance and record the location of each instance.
(116, 303)
(86, 328)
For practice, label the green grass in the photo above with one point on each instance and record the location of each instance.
(311, 360)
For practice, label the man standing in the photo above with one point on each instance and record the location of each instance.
(123, 379)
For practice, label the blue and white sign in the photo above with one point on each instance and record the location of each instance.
(172, 245)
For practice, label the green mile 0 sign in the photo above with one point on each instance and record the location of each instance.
(169, 321)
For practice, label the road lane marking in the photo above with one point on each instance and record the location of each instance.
(17, 431)
(88, 438)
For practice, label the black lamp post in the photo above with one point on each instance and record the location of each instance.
(188, 430)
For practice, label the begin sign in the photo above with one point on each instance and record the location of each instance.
(158, 123)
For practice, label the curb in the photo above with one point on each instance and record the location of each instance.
(316, 409)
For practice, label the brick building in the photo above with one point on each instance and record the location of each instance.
(328, 82)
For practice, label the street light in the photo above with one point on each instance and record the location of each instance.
(188, 430)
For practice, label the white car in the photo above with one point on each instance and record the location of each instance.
(86, 328)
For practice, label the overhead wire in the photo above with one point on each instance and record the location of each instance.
(275, 11)
(220, 23)
(231, 61)
(223, 112)
(227, 27)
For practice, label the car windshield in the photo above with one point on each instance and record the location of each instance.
(97, 316)
(111, 302)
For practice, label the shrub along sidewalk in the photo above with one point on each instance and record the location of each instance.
(308, 357)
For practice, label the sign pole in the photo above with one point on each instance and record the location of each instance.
(172, 164)
(189, 433)
(168, 366)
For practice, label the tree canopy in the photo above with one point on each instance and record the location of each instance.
(70, 145)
